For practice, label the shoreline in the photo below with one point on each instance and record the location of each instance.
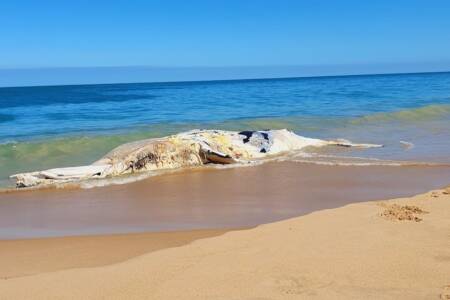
(207, 199)
(332, 253)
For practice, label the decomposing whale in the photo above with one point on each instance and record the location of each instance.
(192, 148)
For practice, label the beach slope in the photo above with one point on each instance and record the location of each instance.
(396, 249)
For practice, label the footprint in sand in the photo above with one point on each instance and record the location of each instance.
(395, 212)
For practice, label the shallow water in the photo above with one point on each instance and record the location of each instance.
(206, 198)
(45, 127)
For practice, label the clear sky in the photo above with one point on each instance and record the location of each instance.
(222, 33)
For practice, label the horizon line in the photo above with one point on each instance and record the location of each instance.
(223, 80)
(383, 63)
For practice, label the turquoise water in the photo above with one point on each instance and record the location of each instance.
(44, 127)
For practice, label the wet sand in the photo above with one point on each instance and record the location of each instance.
(208, 199)
(34, 256)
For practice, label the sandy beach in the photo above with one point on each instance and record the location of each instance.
(224, 150)
(279, 230)
(387, 249)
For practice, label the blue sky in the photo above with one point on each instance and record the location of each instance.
(47, 34)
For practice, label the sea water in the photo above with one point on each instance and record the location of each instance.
(58, 126)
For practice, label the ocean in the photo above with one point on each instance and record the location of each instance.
(58, 126)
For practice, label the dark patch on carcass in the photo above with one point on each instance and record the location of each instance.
(142, 160)
(248, 134)
(343, 145)
(265, 135)
(218, 158)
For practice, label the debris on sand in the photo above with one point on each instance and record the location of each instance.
(395, 212)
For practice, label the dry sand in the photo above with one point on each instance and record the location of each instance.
(398, 249)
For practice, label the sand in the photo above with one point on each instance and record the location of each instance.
(34, 256)
(397, 249)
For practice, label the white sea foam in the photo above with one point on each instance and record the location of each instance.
(407, 145)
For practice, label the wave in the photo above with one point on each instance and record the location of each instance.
(336, 160)
(420, 114)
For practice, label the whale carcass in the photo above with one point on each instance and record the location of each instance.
(192, 148)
